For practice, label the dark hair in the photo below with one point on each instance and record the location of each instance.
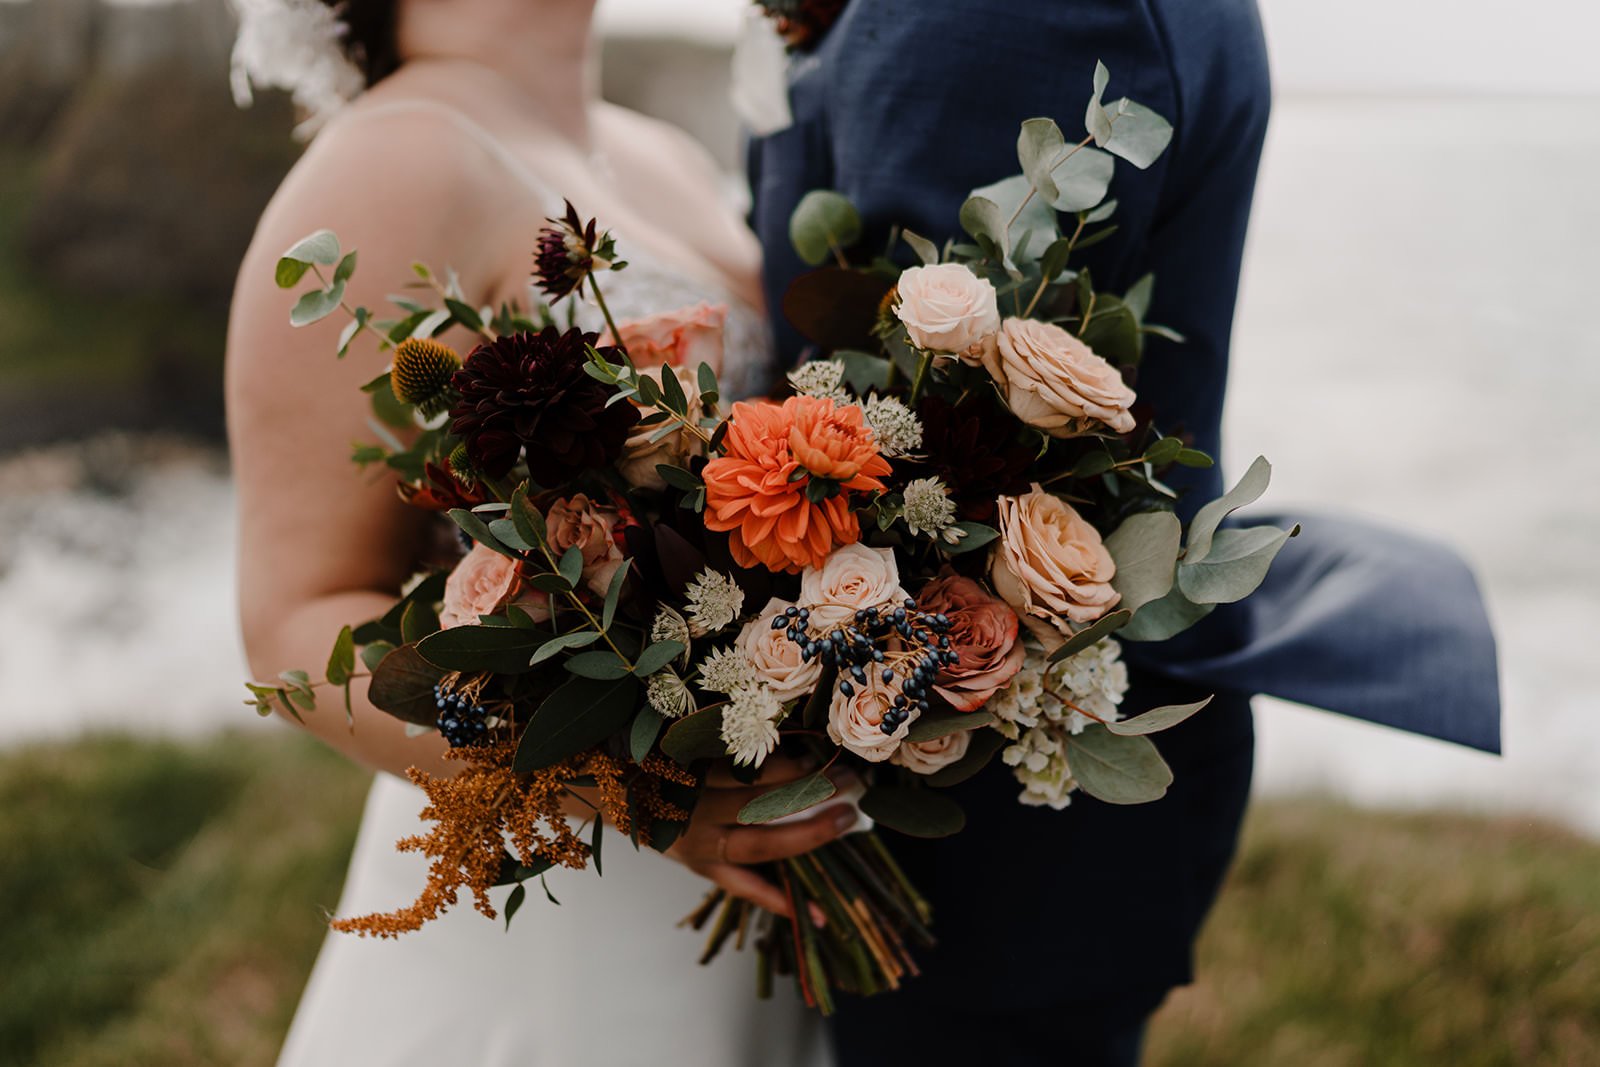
(370, 39)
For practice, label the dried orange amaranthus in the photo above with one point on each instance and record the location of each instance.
(489, 807)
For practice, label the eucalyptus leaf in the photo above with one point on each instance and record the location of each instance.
(925, 249)
(342, 660)
(1164, 618)
(478, 530)
(321, 248)
(417, 621)
(1039, 146)
(788, 799)
(823, 221)
(982, 749)
(316, 305)
(1156, 719)
(289, 272)
(1204, 525)
(577, 716)
(603, 665)
(346, 269)
(529, 522)
(505, 531)
(500, 649)
(936, 725)
(1138, 134)
(977, 536)
(1145, 548)
(696, 736)
(914, 811)
(863, 371)
(402, 686)
(571, 565)
(657, 656)
(1082, 179)
(1138, 297)
(1235, 566)
(642, 735)
(465, 314)
(1115, 768)
(619, 578)
(580, 639)
(1101, 628)
(514, 901)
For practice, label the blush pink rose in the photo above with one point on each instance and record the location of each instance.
(580, 523)
(856, 721)
(1056, 383)
(777, 659)
(478, 585)
(925, 757)
(983, 633)
(1050, 564)
(686, 337)
(947, 308)
(852, 577)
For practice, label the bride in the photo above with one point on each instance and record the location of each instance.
(467, 122)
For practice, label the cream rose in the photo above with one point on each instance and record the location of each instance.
(640, 454)
(856, 721)
(686, 337)
(947, 308)
(777, 659)
(925, 757)
(1055, 382)
(477, 586)
(851, 578)
(580, 523)
(1050, 565)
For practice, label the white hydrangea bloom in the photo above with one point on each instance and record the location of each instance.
(750, 724)
(1039, 762)
(726, 670)
(669, 625)
(821, 378)
(1095, 680)
(294, 45)
(668, 695)
(715, 601)
(928, 507)
(895, 429)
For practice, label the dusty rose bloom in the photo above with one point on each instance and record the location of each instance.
(1055, 382)
(1050, 564)
(983, 632)
(685, 337)
(477, 586)
(579, 522)
(925, 757)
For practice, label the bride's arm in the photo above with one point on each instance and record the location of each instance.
(322, 544)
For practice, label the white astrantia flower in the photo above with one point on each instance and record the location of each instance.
(821, 378)
(726, 670)
(750, 724)
(669, 625)
(928, 508)
(668, 695)
(715, 601)
(895, 429)
(294, 45)
(1039, 763)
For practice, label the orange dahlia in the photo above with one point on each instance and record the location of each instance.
(761, 491)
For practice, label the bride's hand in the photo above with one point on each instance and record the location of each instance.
(716, 846)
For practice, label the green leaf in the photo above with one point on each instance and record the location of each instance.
(696, 736)
(706, 378)
(1095, 117)
(1115, 768)
(353, 327)
(342, 661)
(289, 272)
(982, 218)
(514, 902)
(373, 654)
(1101, 213)
(937, 724)
(604, 665)
(1138, 134)
(925, 249)
(1145, 548)
(985, 744)
(465, 314)
(1156, 719)
(528, 520)
(1163, 451)
(505, 532)
(1096, 631)
(550, 583)
(577, 716)
(914, 811)
(478, 530)
(672, 392)
(1082, 179)
(977, 536)
(1204, 525)
(608, 613)
(402, 686)
(642, 737)
(823, 221)
(657, 656)
(321, 248)
(1235, 566)
(571, 565)
(316, 305)
(679, 478)
(1039, 146)
(594, 843)
(787, 799)
(580, 639)
(346, 269)
(1164, 618)
(417, 621)
(1138, 298)
(1054, 259)
(1193, 457)
(500, 649)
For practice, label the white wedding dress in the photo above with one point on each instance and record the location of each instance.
(605, 979)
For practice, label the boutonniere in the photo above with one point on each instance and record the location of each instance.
(802, 23)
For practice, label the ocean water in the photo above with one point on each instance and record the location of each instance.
(1416, 342)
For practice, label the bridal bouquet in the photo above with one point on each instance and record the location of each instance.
(911, 566)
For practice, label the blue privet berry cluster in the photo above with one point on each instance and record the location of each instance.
(869, 645)
(461, 721)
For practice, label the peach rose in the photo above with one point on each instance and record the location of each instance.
(477, 586)
(856, 721)
(776, 658)
(640, 455)
(925, 757)
(851, 578)
(983, 632)
(580, 523)
(947, 308)
(1055, 382)
(686, 337)
(1050, 565)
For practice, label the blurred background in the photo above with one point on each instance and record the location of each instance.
(1415, 342)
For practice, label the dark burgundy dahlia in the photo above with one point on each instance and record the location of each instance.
(528, 391)
(975, 452)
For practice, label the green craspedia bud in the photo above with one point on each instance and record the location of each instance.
(461, 465)
(422, 372)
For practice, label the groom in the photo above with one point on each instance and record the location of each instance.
(1060, 932)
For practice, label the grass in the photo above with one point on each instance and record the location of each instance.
(163, 903)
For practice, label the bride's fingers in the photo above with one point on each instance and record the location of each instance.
(762, 844)
(748, 885)
(775, 771)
